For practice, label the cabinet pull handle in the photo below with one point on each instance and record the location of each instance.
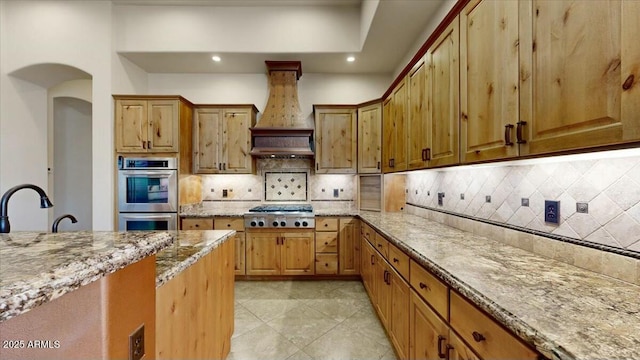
(378, 165)
(519, 136)
(392, 163)
(219, 166)
(224, 166)
(426, 154)
(478, 337)
(441, 340)
(424, 286)
(144, 144)
(507, 135)
(149, 144)
(395, 260)
(372, 260)
(628, 83)
(317, 166)
(448, 352)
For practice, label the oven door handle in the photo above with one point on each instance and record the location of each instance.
(150, 216)
(146, 173)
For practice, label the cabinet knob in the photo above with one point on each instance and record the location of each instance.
(325, 225)
(395, 260)
(478, 337)
(628, 83)
(424, 286)
(228, 225)
(197, 225)
(326, 243)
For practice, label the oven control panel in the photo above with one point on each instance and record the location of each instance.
(271, 221)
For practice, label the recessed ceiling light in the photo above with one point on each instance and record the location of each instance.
(216, 58)
(351, 59)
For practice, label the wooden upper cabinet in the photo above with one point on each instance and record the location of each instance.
(146, 124)
(370, 139)
(222, 139)
(580, 68)
(419, 136)
(336, 139)
(489, 80)
(443, 84)
(394, 129)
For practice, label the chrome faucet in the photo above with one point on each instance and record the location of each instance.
(5, 226)
(54, 227)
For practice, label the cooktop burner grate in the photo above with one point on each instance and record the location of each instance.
(282, 208)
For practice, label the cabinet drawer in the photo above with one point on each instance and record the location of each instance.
(229, 223)
(484, 335)
(434, 291)
(327, 242)
(327, 264)
(399, 260)
(197, 224)
(382, 245)
(366, 231)
(326, 224)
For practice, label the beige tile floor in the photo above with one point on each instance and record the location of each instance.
(306, 320)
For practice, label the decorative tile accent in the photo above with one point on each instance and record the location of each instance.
(611, 187)
(285, 186)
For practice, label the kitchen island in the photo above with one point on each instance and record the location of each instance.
(81, 294)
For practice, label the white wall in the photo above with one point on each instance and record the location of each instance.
(72, 162)
(254, 88)
(74, 33)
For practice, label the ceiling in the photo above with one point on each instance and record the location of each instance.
(395, 26)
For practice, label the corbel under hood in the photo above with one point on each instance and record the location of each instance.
(282, 131)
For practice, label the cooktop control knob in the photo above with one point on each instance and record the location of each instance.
(275, 223)
(261, 223)
(253, 223)
(283, 223)
(297, 223)
(305, 224)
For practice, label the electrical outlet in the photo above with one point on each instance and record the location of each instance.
(582, 207)
(335, 193)
(487, 198)
(552, 211)
(225, 193)
(212, 190)
(461, 196)
(136, 344)
(524, 202)
(440, 198)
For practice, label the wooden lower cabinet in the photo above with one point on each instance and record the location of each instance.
(348, 247)
(367, 266)
(382, 301)
(194, 310)
(399, 314)
(280, 253)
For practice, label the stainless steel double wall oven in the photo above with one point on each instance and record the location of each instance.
(147, 193)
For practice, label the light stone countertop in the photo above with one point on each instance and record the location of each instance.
(563, 311)
(36, 268)
(189, 247)
(232, 209)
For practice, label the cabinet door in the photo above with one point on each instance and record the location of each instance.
(263, 253)
(236, 141)
(400, 102)
(427, 332)
(578, 64)
(444, 94)
(336, 141)
(349, 247)
(131, 125)
(399, 314)
(367, 266)
(369, 139)
(208, 127)
(489, 80)
(298, 253)
(383, 289)
(417, 125)
(163, 126)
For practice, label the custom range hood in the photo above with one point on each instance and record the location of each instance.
(282, 131)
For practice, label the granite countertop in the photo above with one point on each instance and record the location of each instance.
(36, 268)
(223, 209)
(563, 311)
(189, 247)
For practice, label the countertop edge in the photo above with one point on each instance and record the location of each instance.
(521, 329)
(22, 297)
(169, 274)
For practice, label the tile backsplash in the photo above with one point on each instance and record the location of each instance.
(610, 187)
(264, 186)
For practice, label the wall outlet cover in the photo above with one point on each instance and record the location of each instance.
(136, 344)
(552, 211)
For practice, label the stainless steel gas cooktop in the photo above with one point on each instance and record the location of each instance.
(280, 216)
